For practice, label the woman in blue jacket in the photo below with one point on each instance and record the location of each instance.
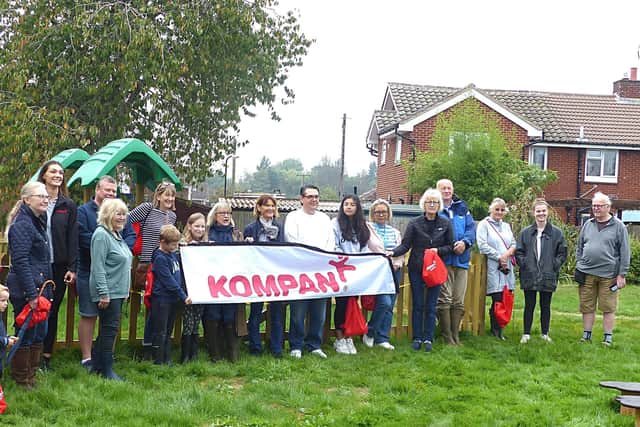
(30, 268)
(265, 229)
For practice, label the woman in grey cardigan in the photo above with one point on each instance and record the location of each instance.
(109, 281)
(540, 252)
(495, 240)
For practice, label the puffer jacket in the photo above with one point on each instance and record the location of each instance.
(29, 252)
(540, 275)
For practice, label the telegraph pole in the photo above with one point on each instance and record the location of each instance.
(341, 184)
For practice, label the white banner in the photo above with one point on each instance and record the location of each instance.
(240, 272)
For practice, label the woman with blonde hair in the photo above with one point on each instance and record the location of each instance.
(495, 240)
(428, 232)
(195, 231)
(109, 280)
(151, 216)
(30, 268)
(266, 229)
(224, 323)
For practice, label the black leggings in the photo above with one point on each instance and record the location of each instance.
(340, 312)
(59, 271)
(545, 310)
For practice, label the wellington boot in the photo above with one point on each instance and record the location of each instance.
(444, 318)
(21, 367)
(185, 348)
(107, 366)
(214, 338)
(457, 313)
(35, 356)
(232, 341)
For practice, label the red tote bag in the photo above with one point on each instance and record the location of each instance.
(354, 323)
(434, 272)
(504, 309)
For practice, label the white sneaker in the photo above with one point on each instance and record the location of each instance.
(546, 338)
(351, 346)
(296, 354)
(367, 340)
(341, 346)
(386, 346)
(525, 339)
(318, 352)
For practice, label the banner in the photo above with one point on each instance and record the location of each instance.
(219, 273)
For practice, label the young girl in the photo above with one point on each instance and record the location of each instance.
(6, 342)
(352, 236)
(194, 232)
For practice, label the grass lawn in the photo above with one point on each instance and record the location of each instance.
(483, 383)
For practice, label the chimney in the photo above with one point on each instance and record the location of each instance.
(628, 87)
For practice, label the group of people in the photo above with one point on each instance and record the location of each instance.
(89, 249)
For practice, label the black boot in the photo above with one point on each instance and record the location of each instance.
(232, 341)
(107, 366)
(21, 366)
(96, 361)
(214, 338)
(185, 348)
(195, 341)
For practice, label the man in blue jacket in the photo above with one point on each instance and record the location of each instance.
(450, 307)
(106, 188)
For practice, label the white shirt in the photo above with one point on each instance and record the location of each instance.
(313, 230)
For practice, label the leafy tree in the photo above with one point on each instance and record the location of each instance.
(470, 148)
(176, 74)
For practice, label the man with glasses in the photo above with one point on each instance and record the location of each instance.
(450, 307)
(603, 256)
(310, 227)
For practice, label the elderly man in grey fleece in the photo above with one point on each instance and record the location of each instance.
(603, 256)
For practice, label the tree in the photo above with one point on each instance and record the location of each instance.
(469, 148)
(175, 74)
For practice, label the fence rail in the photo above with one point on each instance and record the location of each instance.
(473, 320)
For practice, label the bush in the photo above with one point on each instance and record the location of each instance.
(633, 277)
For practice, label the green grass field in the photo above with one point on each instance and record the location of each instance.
(484, 383)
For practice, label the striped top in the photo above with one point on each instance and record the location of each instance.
(152, 219)
(389, 235)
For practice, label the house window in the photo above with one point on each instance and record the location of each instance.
(601, 166)
(398, 150)
(538, 157)
(463, 140)
(383, 153)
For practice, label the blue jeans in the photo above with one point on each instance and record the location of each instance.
(276, 315)
(423, 311)
(33, 335)
(109, 322)
(376, 322)
(223, 313)
(317, 313)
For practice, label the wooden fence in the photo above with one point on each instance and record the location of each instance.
(473, 320)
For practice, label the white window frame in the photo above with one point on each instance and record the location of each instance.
(591, 155)
(383, 152)
(532, 157)
(398, 158)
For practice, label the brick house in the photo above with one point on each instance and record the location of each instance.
(591, 141)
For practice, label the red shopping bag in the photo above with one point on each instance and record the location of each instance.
(368, 302)
(434, 272)
(503, 309)
(3, 402)
(354, 323)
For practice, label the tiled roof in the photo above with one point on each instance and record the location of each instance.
(607, 119)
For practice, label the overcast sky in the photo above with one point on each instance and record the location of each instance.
(360, 46)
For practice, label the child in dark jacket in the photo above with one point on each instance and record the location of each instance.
(166, 294)
(6, 342)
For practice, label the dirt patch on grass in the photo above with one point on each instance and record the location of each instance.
(233, 383)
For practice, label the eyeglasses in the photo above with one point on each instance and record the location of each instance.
(223, 213)
(598, 206)
(500, 209)
(40, 196)
(431, 202)
(380, 213)
(312, 196)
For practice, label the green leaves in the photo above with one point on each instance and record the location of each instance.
(175, 74)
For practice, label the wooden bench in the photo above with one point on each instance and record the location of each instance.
(631, 406)
(627, 389)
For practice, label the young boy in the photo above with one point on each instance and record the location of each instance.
(6, 342)
(166, 294)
